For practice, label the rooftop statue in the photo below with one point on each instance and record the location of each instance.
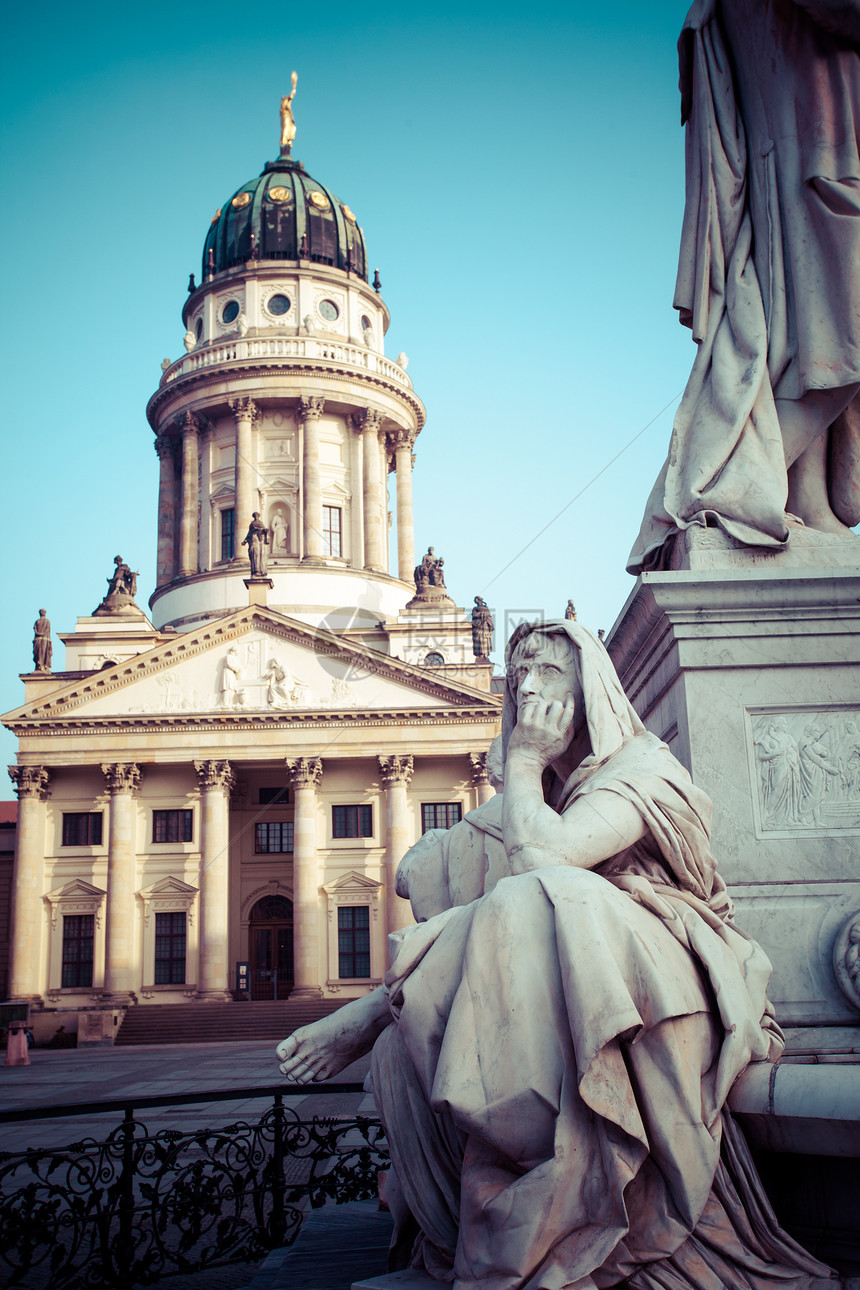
(557, 1034)
(482, 629)
(122, 589)
(769, 277)
(42, 647)
(257, 542)
(288, 122)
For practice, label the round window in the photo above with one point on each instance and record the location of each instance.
(278, 305)
(328, 310)
(198, 330)
(433, 660)
(230, 311)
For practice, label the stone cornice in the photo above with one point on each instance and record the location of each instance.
(322, 372)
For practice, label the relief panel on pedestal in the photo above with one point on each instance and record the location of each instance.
(805, 770)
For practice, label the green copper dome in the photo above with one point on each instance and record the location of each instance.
(284, 215)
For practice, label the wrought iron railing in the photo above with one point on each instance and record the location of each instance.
(137, 1207)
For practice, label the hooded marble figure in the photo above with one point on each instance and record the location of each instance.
(769, 276)
(557, 1035)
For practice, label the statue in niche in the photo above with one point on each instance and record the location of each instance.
(279, 535)
(557, 1034)
(288, 122)
(43, 649)
(482, 629)
(768, 431)
(257, 542)
(230, 671)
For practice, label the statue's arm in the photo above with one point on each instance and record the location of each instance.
(594, 828)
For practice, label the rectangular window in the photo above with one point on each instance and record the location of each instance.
(170, 949)
(352, 821)
(440, 815)
(172, 826)
(353, 942)
(78, 935)
(273, 796)
(82, 828)
(332, 531)
(228, 533)
(274, 837)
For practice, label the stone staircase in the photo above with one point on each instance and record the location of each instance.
(204, 1023)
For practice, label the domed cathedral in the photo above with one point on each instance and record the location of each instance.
(238, 776)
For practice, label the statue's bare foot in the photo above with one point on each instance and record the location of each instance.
(326, 1047)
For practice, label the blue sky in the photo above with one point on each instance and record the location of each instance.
(518, 173)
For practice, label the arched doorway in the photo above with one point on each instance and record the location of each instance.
(270, 945)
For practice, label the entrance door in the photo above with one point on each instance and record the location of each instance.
(270, 936)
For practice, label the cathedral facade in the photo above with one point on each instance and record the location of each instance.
(214, 798)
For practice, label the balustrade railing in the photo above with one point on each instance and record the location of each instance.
(287, 347)
(138, 1206)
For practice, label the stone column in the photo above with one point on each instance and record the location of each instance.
(213, 975)
(309, 412)
(166, 449)
(396, 773)
(356, 534)
(246, 413)
(122, 780)
(28, 881)
(305, 777)
(188, 525)
(480, 779)
(402, 442)
(373, 538)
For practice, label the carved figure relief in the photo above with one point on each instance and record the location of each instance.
(809, 769)
(282, 689)
(230, 672)
(846, 958)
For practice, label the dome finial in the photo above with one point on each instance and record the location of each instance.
(288, 123)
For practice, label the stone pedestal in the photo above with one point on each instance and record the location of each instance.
(748, 666)
(258, 590)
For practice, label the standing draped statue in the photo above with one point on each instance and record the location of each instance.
(557, 1035)
(257, 542)
(769, 276)
(42, 647)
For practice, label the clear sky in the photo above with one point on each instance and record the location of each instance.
(518, 173)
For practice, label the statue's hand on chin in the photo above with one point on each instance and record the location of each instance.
(543, 730)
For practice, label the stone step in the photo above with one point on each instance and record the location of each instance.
(200, 1023)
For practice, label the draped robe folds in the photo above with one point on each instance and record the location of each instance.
(769, 270)
(563, 1044)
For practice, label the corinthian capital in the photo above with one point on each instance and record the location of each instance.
(188, 424)
(165, 446)
(400, 438)
(30, 781)
(478, 762)
(215, 774)
(305, 772)
(245, 409)
(395, 770)
(310, 407)
(122, 776)
(369, 421)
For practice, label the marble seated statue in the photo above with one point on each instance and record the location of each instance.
(557, 1035)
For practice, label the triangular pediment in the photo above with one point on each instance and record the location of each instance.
(77, 889)
(352, 881)
(255, 662)
(168, 887)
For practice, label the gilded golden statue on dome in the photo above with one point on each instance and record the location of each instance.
(288, 123)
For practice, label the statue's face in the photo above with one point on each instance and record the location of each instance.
(543, 667)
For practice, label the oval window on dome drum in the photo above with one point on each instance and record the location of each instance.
(279, 194)
(230, 311)
(278, 305)
(328, 310)
(433, 659)
(240, 200)
(319, 199)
